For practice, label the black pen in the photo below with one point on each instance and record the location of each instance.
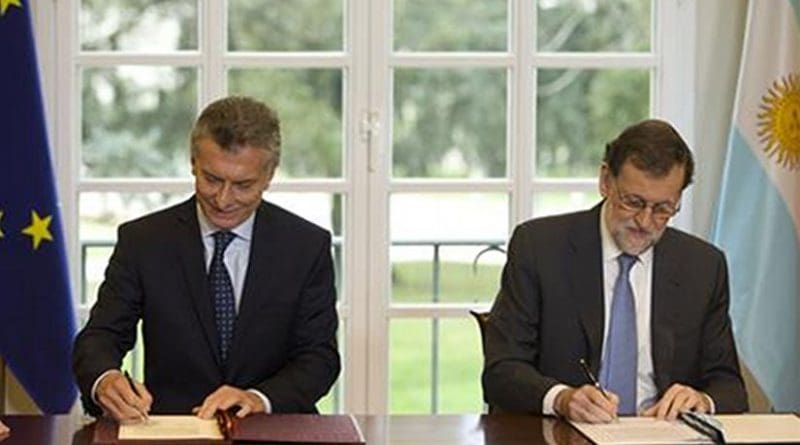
(142, 414)
(588, 373)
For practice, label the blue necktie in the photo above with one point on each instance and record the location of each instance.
(219, 282)
(619, 364)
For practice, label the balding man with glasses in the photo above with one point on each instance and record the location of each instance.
(608, 311)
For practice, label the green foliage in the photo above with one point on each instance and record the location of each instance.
(598, 25)
(136, 121)
(449, 112)
(129, 25)
(450, 25)
(280, 25)
(571, 140)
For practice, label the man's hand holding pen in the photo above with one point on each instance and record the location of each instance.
(588, 403)
(125, 399)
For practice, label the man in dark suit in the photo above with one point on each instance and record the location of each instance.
(236, 295)
(644, 306)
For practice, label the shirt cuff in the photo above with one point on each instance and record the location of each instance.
(264, 400)
(550, 399)
(712, 409)
(97, 382)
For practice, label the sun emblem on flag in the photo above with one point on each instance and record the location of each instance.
(779, 121)
(4, 4)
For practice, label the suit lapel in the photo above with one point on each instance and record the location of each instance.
(585, 272)
(257, 283)
(664, 295)
(192, 258)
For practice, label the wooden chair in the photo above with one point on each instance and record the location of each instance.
(482, 318)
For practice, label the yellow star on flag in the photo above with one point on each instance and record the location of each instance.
(39, 228)
(4, 4)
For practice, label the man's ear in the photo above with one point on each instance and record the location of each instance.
(604, 179)
(270, 176)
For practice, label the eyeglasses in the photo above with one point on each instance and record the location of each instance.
(660, 210)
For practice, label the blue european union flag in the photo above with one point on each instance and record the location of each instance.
(37, 323)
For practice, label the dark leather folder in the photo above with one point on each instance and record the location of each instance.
(297, 429)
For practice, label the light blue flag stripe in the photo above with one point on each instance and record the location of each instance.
(796, 6)
(755, 229)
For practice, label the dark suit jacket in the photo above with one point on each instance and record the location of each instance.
(285, 334)
(549, 314)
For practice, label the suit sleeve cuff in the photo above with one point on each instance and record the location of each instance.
(264, 400)
(550, 399)
(97, 383)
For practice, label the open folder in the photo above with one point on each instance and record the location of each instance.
(731, 428)
(262, 428)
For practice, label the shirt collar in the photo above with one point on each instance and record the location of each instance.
(243, 230)
(610, 249)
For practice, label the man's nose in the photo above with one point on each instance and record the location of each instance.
(644, 218)
(224, 196)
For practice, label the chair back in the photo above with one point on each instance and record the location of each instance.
(482, 318)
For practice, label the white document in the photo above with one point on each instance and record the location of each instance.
(760, 428)
(171, 427)
(640, 430)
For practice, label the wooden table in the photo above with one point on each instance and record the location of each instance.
(379, 430)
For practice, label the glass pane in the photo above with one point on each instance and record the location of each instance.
(323, 209)
(309, 104)
(449, 123)
(460, 366)
(94, 255)
(579, 111)
(447, 247)
(440, 376)
(280, 25)
(450, 25)
(554, 203)
(580, 25)
(138, 25)
(410, 366)
(135, 121)
(100, 215)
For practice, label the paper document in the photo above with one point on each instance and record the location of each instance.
(640, 430)
(760, 428)
(171, 427)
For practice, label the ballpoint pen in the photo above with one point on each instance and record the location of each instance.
(141, 412)
(704, 424)
(588, 373)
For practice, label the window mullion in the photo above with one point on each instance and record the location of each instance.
(523, 122)
(213, 47)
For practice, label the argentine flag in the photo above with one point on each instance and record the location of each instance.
(758, 218)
